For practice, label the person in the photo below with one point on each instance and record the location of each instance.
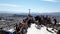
(25, 26)
(58, 32)
(54, 21)
(48, 22)
(38, 22)
(30, 20)
(17, 29)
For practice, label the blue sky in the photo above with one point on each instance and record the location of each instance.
(36, 6)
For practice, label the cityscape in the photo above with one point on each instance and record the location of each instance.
(29, 16)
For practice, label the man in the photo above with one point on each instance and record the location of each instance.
(30, 20)
(54, 21)
(38, 22)
(19, 28)
(25, 26)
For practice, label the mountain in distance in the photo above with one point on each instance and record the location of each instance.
(9, 13)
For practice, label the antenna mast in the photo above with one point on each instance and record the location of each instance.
(29, 11)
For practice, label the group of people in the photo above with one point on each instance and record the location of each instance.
(21, 28)
(46, 21)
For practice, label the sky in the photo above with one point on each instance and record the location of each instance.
(23, 6)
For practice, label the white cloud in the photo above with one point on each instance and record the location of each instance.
(51, 0)
(11, 5)
(13, 8)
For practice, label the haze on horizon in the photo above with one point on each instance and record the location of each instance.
(36, 6)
